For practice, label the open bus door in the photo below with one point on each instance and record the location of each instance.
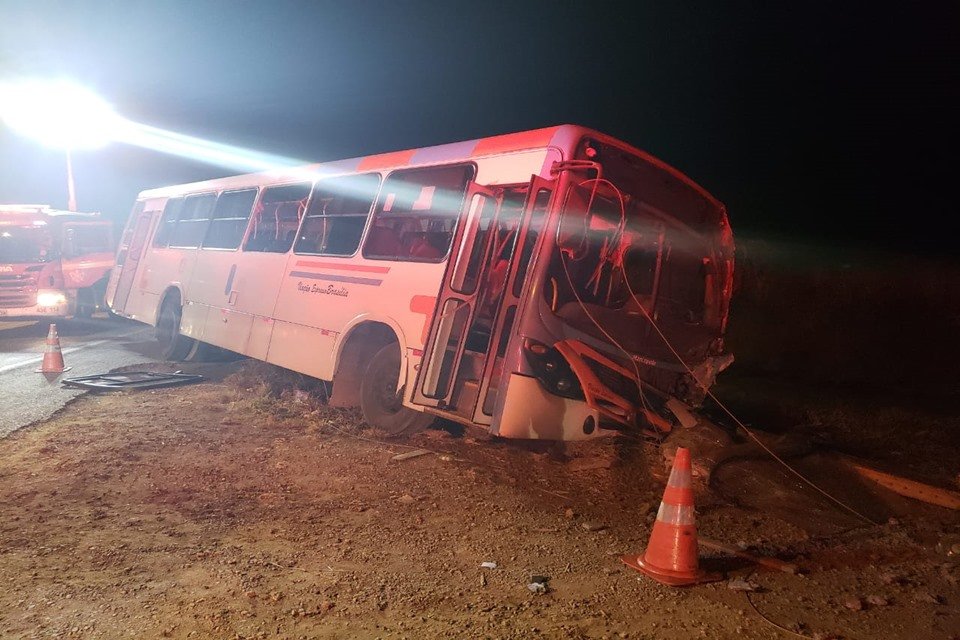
(131, 250)
(478, 301)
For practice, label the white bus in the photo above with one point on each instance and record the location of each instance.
(518, 282)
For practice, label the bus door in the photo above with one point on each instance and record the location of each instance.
(539, 195)
(476, 306)
(128, 257)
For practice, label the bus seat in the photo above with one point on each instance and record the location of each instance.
(423, 245)
(383, 241)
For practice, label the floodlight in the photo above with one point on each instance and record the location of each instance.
(58, 114)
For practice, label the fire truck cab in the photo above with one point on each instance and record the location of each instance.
(53, 264)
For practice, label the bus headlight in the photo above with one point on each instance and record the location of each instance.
(552, 370)
(51, 299)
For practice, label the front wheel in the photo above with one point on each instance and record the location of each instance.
(381, 401)
(173, 345)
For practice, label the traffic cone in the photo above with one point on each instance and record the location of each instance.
(52, 356)
(672, 557)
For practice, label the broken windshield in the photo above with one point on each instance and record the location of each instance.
(25, 245)
(621, 260)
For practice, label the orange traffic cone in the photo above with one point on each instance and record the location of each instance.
(52, 357)
(672, 557)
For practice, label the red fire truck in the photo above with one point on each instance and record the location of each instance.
(53, 264)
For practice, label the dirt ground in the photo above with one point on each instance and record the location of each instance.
(221, 510)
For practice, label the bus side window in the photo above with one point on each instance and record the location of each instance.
(417, 214)
(229, 219)
(337, 215)
(276, 218)
(171, 211)
(192, 221)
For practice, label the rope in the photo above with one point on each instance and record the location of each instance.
(566, 271)
(771, 622)
(740, 424)
(680, 359)
(722, 406)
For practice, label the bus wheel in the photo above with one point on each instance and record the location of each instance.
(173, 346)
(380, 401)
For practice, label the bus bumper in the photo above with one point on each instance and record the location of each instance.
(532, 413)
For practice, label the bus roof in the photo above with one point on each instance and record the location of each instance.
(564, 137)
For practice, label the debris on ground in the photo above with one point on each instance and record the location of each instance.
(590, 463)
(877, 601)
(128, 380)
(488, 565)
(927, 597)
(741, 584)
(538, 584)
(740, 551)
(907, 487)
(416, 453)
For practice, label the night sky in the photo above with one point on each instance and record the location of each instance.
(811, 122)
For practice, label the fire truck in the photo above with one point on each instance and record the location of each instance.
(53, 264)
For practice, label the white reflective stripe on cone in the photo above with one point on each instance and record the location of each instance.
(679, 479)
(675, 514)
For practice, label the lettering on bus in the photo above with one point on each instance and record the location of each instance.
(329, 290)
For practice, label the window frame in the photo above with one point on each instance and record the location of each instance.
(381, 179)
(263, 188)
(257, 189)
(163, 220)
(471, 176)
(195, 196)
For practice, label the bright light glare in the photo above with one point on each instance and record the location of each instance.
(50, 298)
(58, 114)
(207, 151)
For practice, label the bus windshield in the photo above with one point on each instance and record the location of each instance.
(628, 249)
(25, 245)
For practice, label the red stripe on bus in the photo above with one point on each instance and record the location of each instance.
(514, 141)
(383, 160)
(342, 266)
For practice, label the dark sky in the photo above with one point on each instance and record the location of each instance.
(809, 121)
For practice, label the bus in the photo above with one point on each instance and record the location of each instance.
(53, 264)
(550, 284)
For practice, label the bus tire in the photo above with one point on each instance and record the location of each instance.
(173, 345)
(380, 400)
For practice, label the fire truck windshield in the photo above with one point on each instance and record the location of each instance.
(19, 245)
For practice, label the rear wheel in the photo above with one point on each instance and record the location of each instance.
(381, 401)
(173, 346)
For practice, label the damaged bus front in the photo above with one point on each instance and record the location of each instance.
(623, 324)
